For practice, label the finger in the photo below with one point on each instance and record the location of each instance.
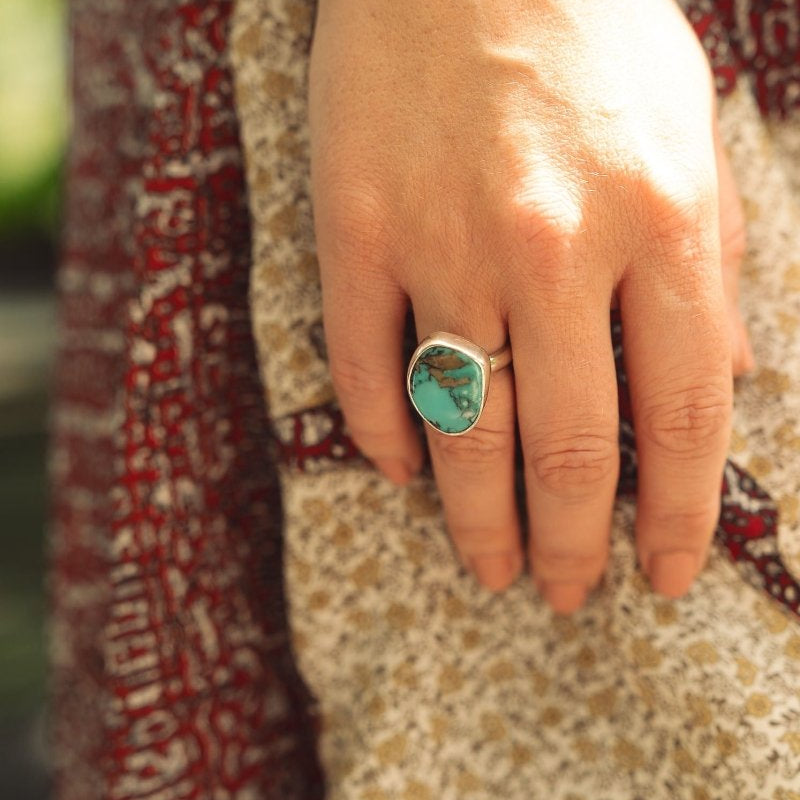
(733, 242)
(364, 314)
(678, 361)
(475, 471)
(568, 419)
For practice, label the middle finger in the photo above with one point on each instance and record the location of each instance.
(567, 406)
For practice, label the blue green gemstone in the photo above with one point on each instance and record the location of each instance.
(446, 386)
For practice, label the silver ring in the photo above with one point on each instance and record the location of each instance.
(448, 381)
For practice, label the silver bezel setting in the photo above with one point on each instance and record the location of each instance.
(461, 345)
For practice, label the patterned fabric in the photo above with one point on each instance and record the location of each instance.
(170, 668)
(429, 686)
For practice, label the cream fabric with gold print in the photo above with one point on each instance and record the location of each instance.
(431, 688)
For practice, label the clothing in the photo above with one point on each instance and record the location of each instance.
(171, 673)
(187, 450)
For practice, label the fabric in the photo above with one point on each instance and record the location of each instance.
(431, 687)
(182, 459)
(171, 675)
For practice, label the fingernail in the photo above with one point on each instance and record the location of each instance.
(564, 598)
(672, 574)
(496, 572)
(395, 469)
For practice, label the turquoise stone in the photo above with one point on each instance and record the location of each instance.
(446, 386)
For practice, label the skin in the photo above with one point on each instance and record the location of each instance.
(513, 168)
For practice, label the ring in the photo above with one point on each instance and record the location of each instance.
(448, 380)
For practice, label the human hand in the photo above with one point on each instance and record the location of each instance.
(514, 167)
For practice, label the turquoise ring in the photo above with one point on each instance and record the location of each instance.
(448, 381)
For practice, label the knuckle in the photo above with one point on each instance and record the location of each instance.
(573, 465)
(545, 225)
(543, 235)
(691, 422)
(685, 527)
(476, 451)
(359, 221)
(681, 212)
(356, 387)
(356, 381)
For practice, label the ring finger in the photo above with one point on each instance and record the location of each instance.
(475, 471)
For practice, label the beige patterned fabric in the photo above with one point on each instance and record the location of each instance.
(270, 43)
(433, 688)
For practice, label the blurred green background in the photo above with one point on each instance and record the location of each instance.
(33, 126)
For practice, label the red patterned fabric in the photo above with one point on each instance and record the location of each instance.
(763, 38)
(171, 671)
(172, 676)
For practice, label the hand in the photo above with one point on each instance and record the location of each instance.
(511, 167)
